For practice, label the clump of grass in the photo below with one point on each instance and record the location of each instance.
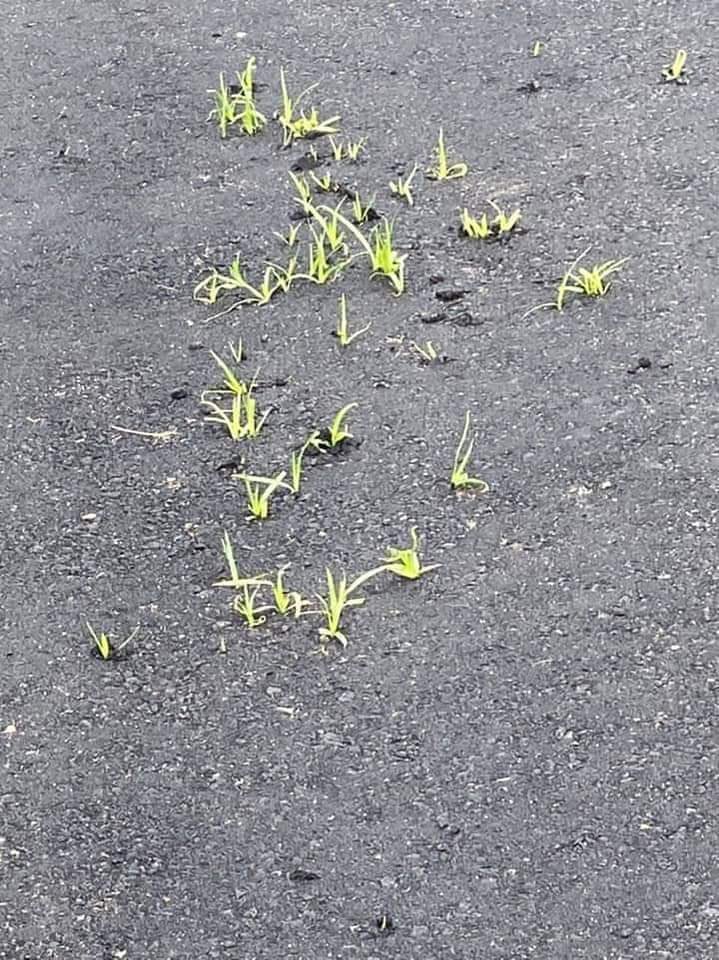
(245, 603)
(339, 599)
(259, 492)
(402, 187)
(361, 211)
(337, 432)
(405, 562)
(675, 72)
(297, 125)
(386, 261)
(483, 228)
(242, 418)
(347, 151)
(592, 283)
(321, 269)
(442, 169)
(286, 602)
(342, 331)
(103, 645)
(238, 107)
(208, 290)
(460, 478)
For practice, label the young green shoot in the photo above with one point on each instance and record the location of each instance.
(245, 604)
(337, 432)
(443, 170)
(240, 107)
(402, 187)
(330, 225)
(325, 183)
(477, 229)
(303, 192)
(592, 283)
(347, 151)
(235, 581)
(259, 492)
(427, 352)
(460, 479)
(292, 232)
(537, 48)
(485, 229)
(361, 210)
(342, 332)
(296, 127)
(242, 418)
(385, 259)
(405, 561)
(103, 644)
(320, 268)
(284, 276)
(231, 383)
(208, 290)
(338, 600)
(286, 602)
(313, 442)
(237, 350)
(675, 71)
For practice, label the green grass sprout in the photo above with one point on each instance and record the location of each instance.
(259, 492)
(241, 419)
(347, 151)
(361, 210)
(342, 332)
(104, 645)
(380, 249)
(339, 599)
(405, 561)
(402, 187)
(591, 283)
(427, 352)
(337, 432)
(245, 605)
(237, 351)
(296, 127)
(537, 48)
(325, 183)
(235, 581)
(240, 107)
(675, 71)
(460, 479)
(485, 229)
(231, 383)
(443, 170)
(286, 601)
(313, 442)
(320, 268)
(208, 290)
(291, 238)
(303, 192)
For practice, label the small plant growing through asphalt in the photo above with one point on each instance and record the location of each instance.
(342, 332)
(238, 107)
(460, 478)
(104, 646)
(208, 290)
(485, 229)
(383, 256)
(442, 169)
(313, 442)
(297, 126)
(286, 602)
(347, 151)
(675, 72)
(361, 211)
(338, 599)
(405, 562)
(245, 603)
(235, 581)
(402, 187)
(592, 283)
(337, 432)
(320, 268)
(242, 418)
(259, 492)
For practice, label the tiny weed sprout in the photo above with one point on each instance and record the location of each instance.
(294, 126)
(537, 48)
(325, 183)
(402, 187)
(347, 151)
(225, 109)
(303, 191)
(237, 351)
(259, 491)
(231, 383)
(286, 602)
(330, 225)
(385, 259)
(427, 352)
(339, 599)
(460, 479)
(241, 419)
(235, 581)
(320, 268)
(245, 605)
(675, 71)
(405, 562)
(485, 229)
(443, 170)
(337, 432)
(106, 650)
(291, 239)
(342, 332)
(297, 459)
(589, 283)
(284, 276)
(360, 210)
(208, 290)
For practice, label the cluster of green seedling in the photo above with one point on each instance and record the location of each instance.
(295, 123)
(402, 186)
(484, 228)
(234, 405)
(275, 279)
(592, 283)
(331, 606)
(103, 645)
(350, 150)
(460, 478)
(238, 107)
